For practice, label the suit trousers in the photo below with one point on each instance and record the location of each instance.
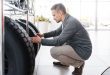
(66, 55)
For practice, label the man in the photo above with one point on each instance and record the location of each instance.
(72, 45)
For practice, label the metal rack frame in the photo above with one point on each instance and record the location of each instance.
(26, 11)
(14, 8)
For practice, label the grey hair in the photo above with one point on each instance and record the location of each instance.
(59, 6)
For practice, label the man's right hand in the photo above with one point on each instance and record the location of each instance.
(40, 35)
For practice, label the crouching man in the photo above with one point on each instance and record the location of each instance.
(72, 45)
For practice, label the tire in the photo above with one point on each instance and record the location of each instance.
(106, 71)
(19, 50)
(32, 25)
(32, 32)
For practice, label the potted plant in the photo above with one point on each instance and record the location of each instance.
(42, 23)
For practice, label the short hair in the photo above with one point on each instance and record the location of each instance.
(59, 6)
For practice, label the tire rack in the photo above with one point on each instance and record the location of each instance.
(27, 11)
(14, 9)
(20, 10)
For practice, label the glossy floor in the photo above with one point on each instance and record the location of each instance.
(97, 63)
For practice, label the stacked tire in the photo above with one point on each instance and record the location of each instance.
(19, 52)
(31, 30)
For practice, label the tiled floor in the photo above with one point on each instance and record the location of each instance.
(97, 63)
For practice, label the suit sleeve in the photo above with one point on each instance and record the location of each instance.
(68, 31)
(53, 33)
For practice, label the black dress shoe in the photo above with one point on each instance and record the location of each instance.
(59, 64)
(78, 71)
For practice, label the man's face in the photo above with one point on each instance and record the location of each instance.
(57, 15)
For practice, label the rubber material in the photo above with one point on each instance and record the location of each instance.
(32, 31)
(19, 50)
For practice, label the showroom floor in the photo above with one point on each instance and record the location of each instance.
(97, 63)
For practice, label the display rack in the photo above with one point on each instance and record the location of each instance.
(14, 8)
(17, 9)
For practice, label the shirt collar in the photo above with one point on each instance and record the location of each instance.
(66, 17)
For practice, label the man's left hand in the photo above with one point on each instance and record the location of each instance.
(36, 39)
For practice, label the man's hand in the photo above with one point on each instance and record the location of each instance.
(36, 39)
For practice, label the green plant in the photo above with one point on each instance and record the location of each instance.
(41, 19)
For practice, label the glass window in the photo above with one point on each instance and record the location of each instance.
(87, 13)
(103, 14)
(93, 14)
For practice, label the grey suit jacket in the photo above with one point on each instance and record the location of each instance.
(74, 34)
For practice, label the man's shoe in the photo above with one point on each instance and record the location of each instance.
(78, 71)
(59, 64)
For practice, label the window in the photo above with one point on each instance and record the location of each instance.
(93, 14)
